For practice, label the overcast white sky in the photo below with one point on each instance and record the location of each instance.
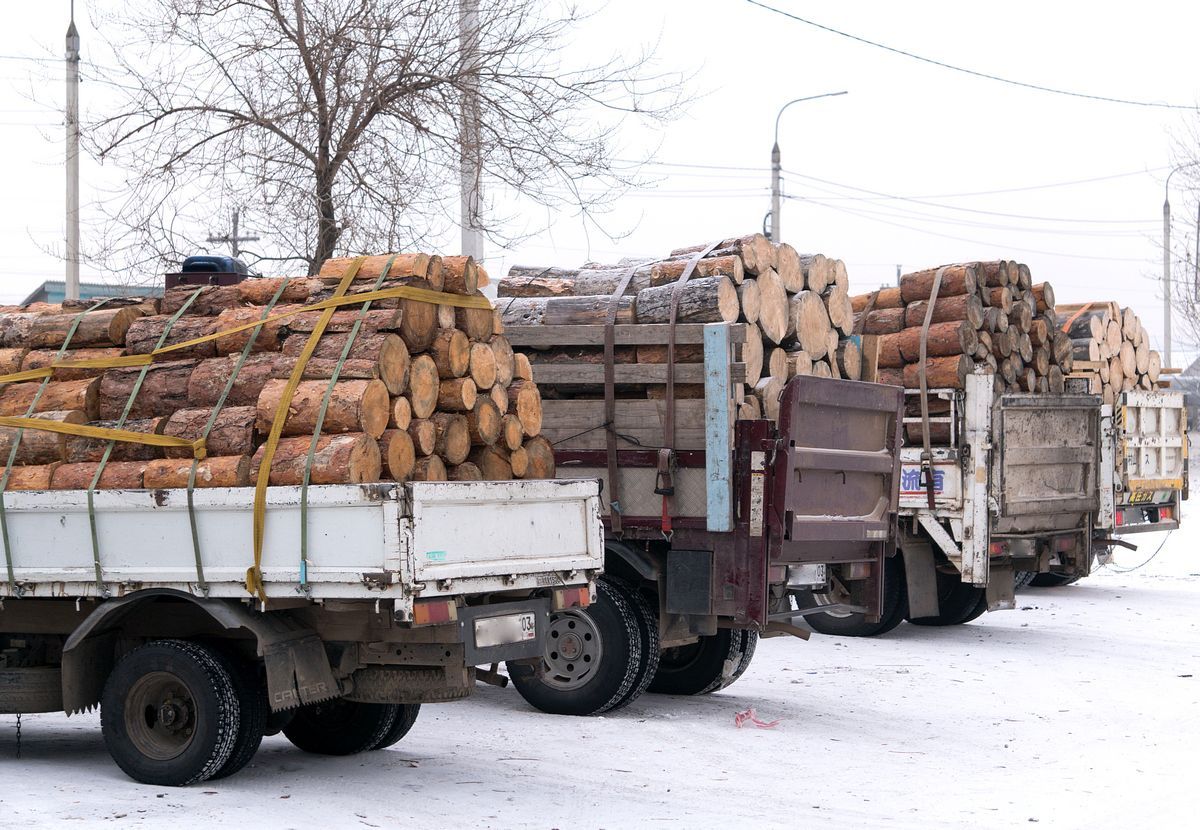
(906, 129)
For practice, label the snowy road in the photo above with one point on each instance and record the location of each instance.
(1081, 709)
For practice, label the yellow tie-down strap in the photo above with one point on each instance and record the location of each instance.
(254, 574)
(403, 292)
(103, 433)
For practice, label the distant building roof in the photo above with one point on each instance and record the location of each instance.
(55, 291)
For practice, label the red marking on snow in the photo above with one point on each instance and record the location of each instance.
(739, 720)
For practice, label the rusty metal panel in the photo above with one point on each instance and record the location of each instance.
(837, 469)
(1049, 458)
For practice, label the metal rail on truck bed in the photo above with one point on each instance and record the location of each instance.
(396, 542)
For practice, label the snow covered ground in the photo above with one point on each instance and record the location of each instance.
(1079, 710)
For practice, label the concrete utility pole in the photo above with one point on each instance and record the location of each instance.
(233, 239)
(72, 120)
(470, 151)
(777, 168)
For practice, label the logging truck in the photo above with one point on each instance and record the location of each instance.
(1019, 484)
(712, 521)
(327, 602)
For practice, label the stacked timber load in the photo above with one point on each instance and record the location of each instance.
(424, 392)
(986, 314)
(796, 311)
(1111, 348)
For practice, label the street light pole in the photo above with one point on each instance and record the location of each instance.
(776, 167)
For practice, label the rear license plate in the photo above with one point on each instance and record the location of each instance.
(510, 628)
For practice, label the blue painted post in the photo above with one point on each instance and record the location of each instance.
(718, 427)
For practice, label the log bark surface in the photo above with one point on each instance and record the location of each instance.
(704, 300)
(354, 406)
(144, 334)
(78, 449)
(117, 475)
(232, 433)
(216, 471)
(352, 458)
(956, 280)
(61, 395)
(37, 446)
(961, 307)
(41, 358)
(164, 390)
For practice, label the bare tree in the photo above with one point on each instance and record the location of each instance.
(337, 124)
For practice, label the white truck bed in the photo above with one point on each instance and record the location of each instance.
(377, 541)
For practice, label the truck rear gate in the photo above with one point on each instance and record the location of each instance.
(1151, 476)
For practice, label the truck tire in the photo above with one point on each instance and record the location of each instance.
(958, 602)
(405, 718)
(169, 713)
(255, 709)
(341, 727)
(25, 691)
(700, 668)
(592, 658)
(1023, 578)
(749, 646)
(895, 608)
(1049, 580)
(647, 620)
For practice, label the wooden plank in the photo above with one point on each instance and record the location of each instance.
(624, 335)
(1088, 364)
(870, 357)
(718, 419)
(579, 425)
(554, 374)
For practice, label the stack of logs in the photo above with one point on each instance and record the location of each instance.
(426, 392)
(1111, 348)
(797, 307)
(988, 314)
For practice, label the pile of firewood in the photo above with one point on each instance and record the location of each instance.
(426, 392)
(1111, 347)
(796, 306)
(988, 314)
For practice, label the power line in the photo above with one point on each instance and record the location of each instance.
(973, 72)
(885, 197)
(918, 201)
(967, 223)
(851, 212)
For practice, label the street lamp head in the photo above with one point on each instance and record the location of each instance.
(797, 101)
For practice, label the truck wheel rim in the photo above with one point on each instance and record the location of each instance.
(160, 716)
(573, 650)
